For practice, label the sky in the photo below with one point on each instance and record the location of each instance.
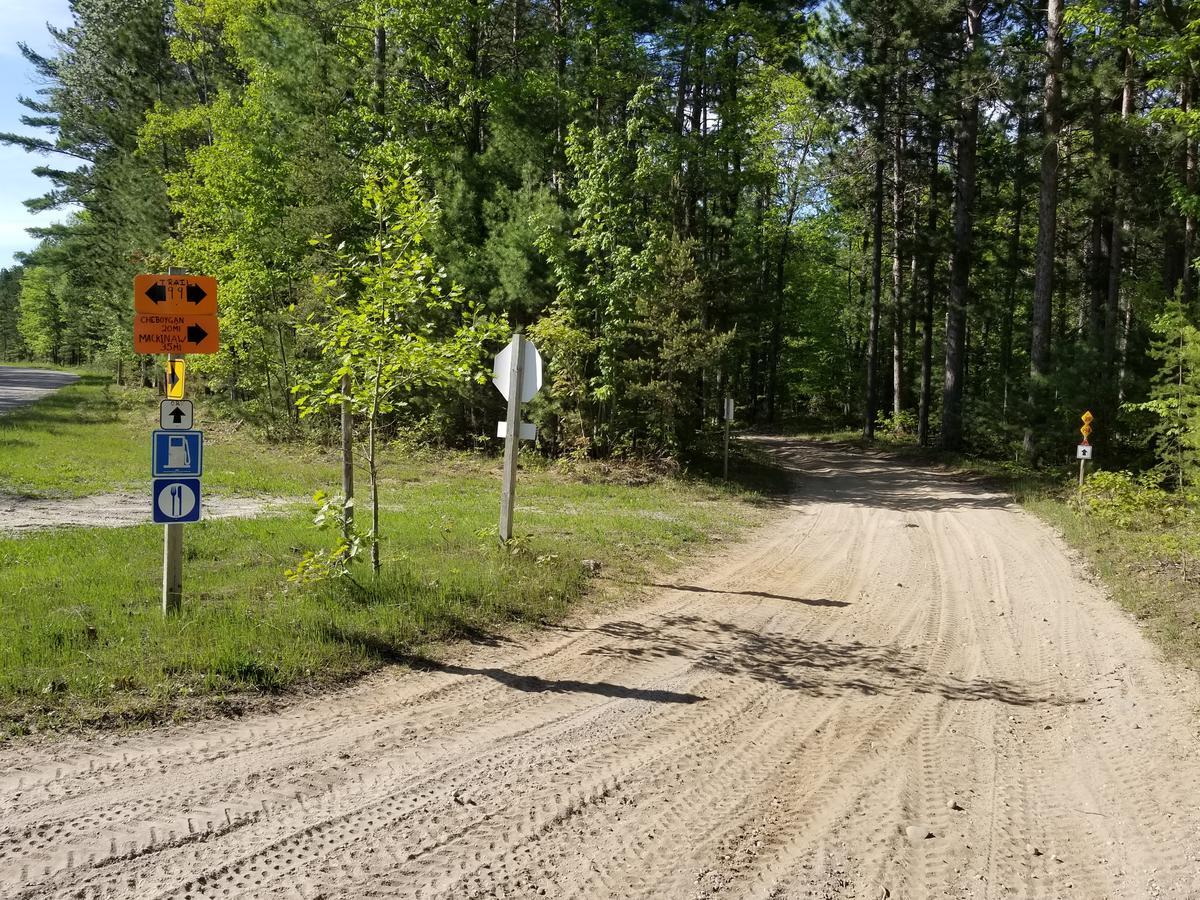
(22, 20)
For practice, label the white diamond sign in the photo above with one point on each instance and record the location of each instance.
(532, 376)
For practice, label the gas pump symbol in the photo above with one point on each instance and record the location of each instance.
(178, 454)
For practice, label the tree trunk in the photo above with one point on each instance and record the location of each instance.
(966, 137)
(1101, 242)
(288, 406)
(380, 71)
(347, 458)
(1189, 220)
(560, 71)
(372, 466)
(897, 266)
(931, 255)
(1112, 305)
(785, 246)
(1014, 272)
(876, 288)
(474, 59)
(1043, 288)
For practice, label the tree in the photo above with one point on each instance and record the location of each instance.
(965, 144)
(12, 346)
(1175, 395)
(1043, 289)
(389, 323)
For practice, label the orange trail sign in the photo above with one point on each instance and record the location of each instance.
(175, 334)
(183, 295)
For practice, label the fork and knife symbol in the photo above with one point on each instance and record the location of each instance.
(176, 491)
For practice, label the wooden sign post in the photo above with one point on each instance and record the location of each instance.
(175, 314)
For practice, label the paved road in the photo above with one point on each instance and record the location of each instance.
(903, 687)
(21, 386)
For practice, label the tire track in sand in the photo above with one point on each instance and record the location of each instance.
(764, 727)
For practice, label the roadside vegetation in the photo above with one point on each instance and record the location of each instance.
(92, 437)
(1144, 542)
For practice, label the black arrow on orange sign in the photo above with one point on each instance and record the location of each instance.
(195, 293)
(157, 293)
(196, 334)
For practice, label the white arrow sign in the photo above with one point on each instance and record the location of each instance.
(175, 415)
(531, 382)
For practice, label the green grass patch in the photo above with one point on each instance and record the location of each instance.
(94, 437)
(1149, 562)
(82, 638)
(83, 641)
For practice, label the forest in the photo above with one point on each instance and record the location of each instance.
(965, 222)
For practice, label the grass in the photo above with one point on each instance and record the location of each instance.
(94, 437)
(1149, 567)
(82, 639)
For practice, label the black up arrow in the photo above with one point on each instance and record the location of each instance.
(196, 334)
(176, 414)
(195, 293)
(157, 293)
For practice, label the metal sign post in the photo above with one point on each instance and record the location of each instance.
(512, 435)
(517, 374)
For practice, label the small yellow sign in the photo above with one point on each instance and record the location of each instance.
(175, 370)
(1087, 417)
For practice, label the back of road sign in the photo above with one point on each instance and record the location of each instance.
(531, 379)
(181, 295)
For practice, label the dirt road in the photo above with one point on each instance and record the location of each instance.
(21, 386)
(901, 688)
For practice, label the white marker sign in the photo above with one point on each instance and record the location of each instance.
(531, 380)
(1084, 451)
(175, 415)
(528, 431)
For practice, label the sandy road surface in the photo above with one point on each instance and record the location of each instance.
(21, 386)
(24, 515)
(767, 726)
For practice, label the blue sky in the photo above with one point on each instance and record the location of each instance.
(21, 20)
